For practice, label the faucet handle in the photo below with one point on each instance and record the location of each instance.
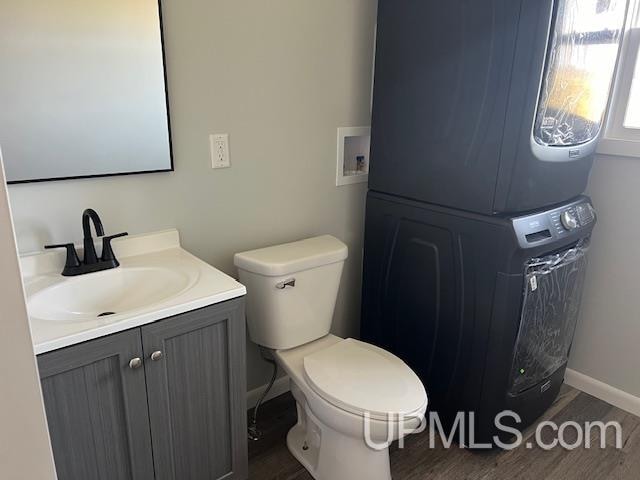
(107, 251)
(73, 261)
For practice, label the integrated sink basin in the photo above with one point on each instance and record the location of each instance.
(156, 279)
(108, 294)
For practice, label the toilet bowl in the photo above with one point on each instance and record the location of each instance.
(341, 433)
(352, 398)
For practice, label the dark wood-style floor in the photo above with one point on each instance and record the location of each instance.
(269, 458)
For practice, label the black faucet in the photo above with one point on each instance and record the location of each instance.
(88, 216)
(73, 266)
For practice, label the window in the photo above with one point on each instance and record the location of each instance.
(622, 136)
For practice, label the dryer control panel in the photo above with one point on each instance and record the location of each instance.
(573, 219)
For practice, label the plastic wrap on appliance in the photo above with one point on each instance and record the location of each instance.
(551, 303)
(581, 61)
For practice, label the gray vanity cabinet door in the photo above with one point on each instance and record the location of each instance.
(97, 409)
(197, 393)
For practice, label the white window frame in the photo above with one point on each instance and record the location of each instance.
(618, 139)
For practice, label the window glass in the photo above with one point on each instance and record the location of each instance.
(580, 65)
(632, 116)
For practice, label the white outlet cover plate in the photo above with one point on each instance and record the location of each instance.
(219, 146)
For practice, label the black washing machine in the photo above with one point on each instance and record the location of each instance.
(483, 308)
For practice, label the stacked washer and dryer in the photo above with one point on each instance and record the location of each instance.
(486, 116)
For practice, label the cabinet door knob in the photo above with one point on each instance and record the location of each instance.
(135, 363)
(157, 355)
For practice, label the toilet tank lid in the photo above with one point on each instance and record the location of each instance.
(292, 257)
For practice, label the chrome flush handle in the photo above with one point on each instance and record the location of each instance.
(287, 283)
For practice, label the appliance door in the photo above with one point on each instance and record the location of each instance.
(552, 293)
(553, 126)
(581, 60)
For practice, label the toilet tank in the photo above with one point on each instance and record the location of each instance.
(291, 290)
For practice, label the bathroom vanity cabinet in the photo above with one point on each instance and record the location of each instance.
(164, 401)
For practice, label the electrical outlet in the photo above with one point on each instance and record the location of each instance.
(219, 150)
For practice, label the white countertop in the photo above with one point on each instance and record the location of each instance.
(205, 286)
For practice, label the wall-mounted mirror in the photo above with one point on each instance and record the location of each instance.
(82, 89)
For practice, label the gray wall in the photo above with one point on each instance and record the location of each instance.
(280, 77)
(608, 336)
(25, 450)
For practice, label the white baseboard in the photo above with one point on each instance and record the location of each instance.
(618, 398)
(279, 387)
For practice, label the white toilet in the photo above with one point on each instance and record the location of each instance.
(346, 390)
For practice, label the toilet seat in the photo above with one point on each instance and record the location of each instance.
(358, 377)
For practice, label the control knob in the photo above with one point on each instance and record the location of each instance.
(569, 220)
